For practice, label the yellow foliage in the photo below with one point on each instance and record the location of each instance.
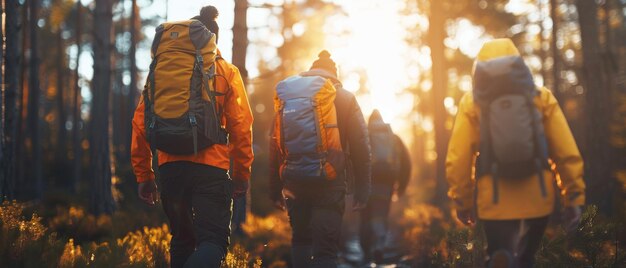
(275, 226)
(71, 253)
(148, 246)
(10, 214)
(420, 217)
(29, 231)
(238, 257)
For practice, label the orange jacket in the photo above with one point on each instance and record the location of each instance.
(237, 118)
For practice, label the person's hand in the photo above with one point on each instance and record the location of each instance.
(571, 217)
(358, 205)
(148, 192)
(240, 188)
(280, 204)
(466, 217)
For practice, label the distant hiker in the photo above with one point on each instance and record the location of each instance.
(391, 170)
(192, 119)
(318, 127)
(519, 130)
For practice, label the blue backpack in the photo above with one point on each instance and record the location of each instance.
(306, 130)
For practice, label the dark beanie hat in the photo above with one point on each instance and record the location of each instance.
(208, 15)
(325, 62)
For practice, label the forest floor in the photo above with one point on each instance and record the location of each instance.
(58, 231)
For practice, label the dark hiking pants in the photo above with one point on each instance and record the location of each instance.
(315, 215)
(197, 200)
(519, 238)
(373, 224)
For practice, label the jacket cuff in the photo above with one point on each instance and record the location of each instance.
(145, 178)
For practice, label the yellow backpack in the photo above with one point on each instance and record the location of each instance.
(181, 109)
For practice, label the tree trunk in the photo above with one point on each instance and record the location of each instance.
(132, 91)
(76, 112)
(542, 51)
(33, 103)
(597, 111)
(101, 197)
(556, 56)
(3, 143)
(20, 154)
(11, 78)
(2, 104)
(437, 34)
(60, 101)
(611, 68)
(11, 67)
(240, 37)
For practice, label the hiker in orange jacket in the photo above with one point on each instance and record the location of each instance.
(196, 189)
(514, 210)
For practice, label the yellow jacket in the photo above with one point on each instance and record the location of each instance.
(518, 199)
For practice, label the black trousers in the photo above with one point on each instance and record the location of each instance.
(519, 238)
(373, 221)
(197, 200)
(315, 215)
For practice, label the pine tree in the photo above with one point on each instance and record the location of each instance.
(240, 37)
(34, 95)
(76, 107)
(101, 197)
(11, 67)
(597, 97)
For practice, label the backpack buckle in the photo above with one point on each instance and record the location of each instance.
(199, 58)
(152, 122)
(192, 120)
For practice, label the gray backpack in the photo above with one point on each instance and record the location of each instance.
(384, 156)
(513, 145)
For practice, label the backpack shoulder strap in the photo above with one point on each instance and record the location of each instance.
(157, 39)
(541, 150)
(485, 163)
(148, 98)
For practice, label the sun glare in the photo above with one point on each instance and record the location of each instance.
(369, 46)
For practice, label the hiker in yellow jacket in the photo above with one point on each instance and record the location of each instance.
(514, 211)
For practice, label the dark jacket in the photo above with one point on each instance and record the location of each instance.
(354, 140)
(399, 174)
(404, 173)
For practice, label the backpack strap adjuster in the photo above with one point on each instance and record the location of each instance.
(194, 132)
(199, 56)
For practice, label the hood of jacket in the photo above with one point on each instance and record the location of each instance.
(376, 122)
(499, 69)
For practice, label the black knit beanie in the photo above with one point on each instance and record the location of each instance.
(208, 15)
(325, 62)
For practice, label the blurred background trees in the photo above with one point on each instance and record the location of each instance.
(72, 72)
(65, 125)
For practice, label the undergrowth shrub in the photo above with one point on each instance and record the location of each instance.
(26, 242)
